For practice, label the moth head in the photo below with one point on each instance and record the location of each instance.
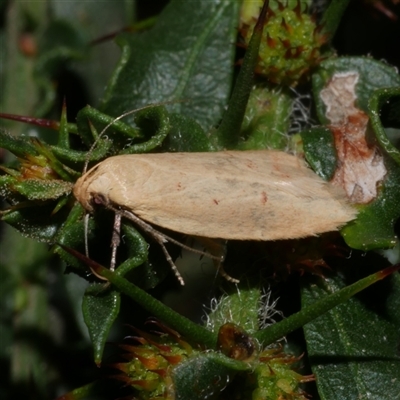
(92, 189)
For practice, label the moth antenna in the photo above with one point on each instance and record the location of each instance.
(99, 276)
(123, 115)
(86, 231)
(117, 222)
(116, 239)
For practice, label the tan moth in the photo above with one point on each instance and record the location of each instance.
(241, 195)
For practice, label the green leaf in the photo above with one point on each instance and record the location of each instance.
(320, 152)
(72, 157)
(138, 249)
(18, 146)
(39, 189)
(187, 135)
(72, 234)
(186, 57)
(100, 308)
(228, 132)
(20, 93)
(94, 22)
(372, 75)
(241, 307)
(36, 222)
(154, 125)
(333, 16)
(27, 335)
(60, 43)
(374, 226)
(352, 349)
(145, 273)
(378, 99)
(318, 308)
(204, 376)
(187, 328)
(6, 187)
(267, 120)
(82, 392)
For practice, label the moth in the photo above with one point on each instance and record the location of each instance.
(242, 195)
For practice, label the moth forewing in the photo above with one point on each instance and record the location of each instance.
(242, 195)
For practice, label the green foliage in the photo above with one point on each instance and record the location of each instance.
(179, 74)
(350, 366)
(374, 225)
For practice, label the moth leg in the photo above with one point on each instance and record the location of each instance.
(158, 236)
(116, 239)
(171, 262)
(161, 238)
(222, 272)
(217, 248)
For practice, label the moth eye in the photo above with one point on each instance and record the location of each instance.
(98, 199)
